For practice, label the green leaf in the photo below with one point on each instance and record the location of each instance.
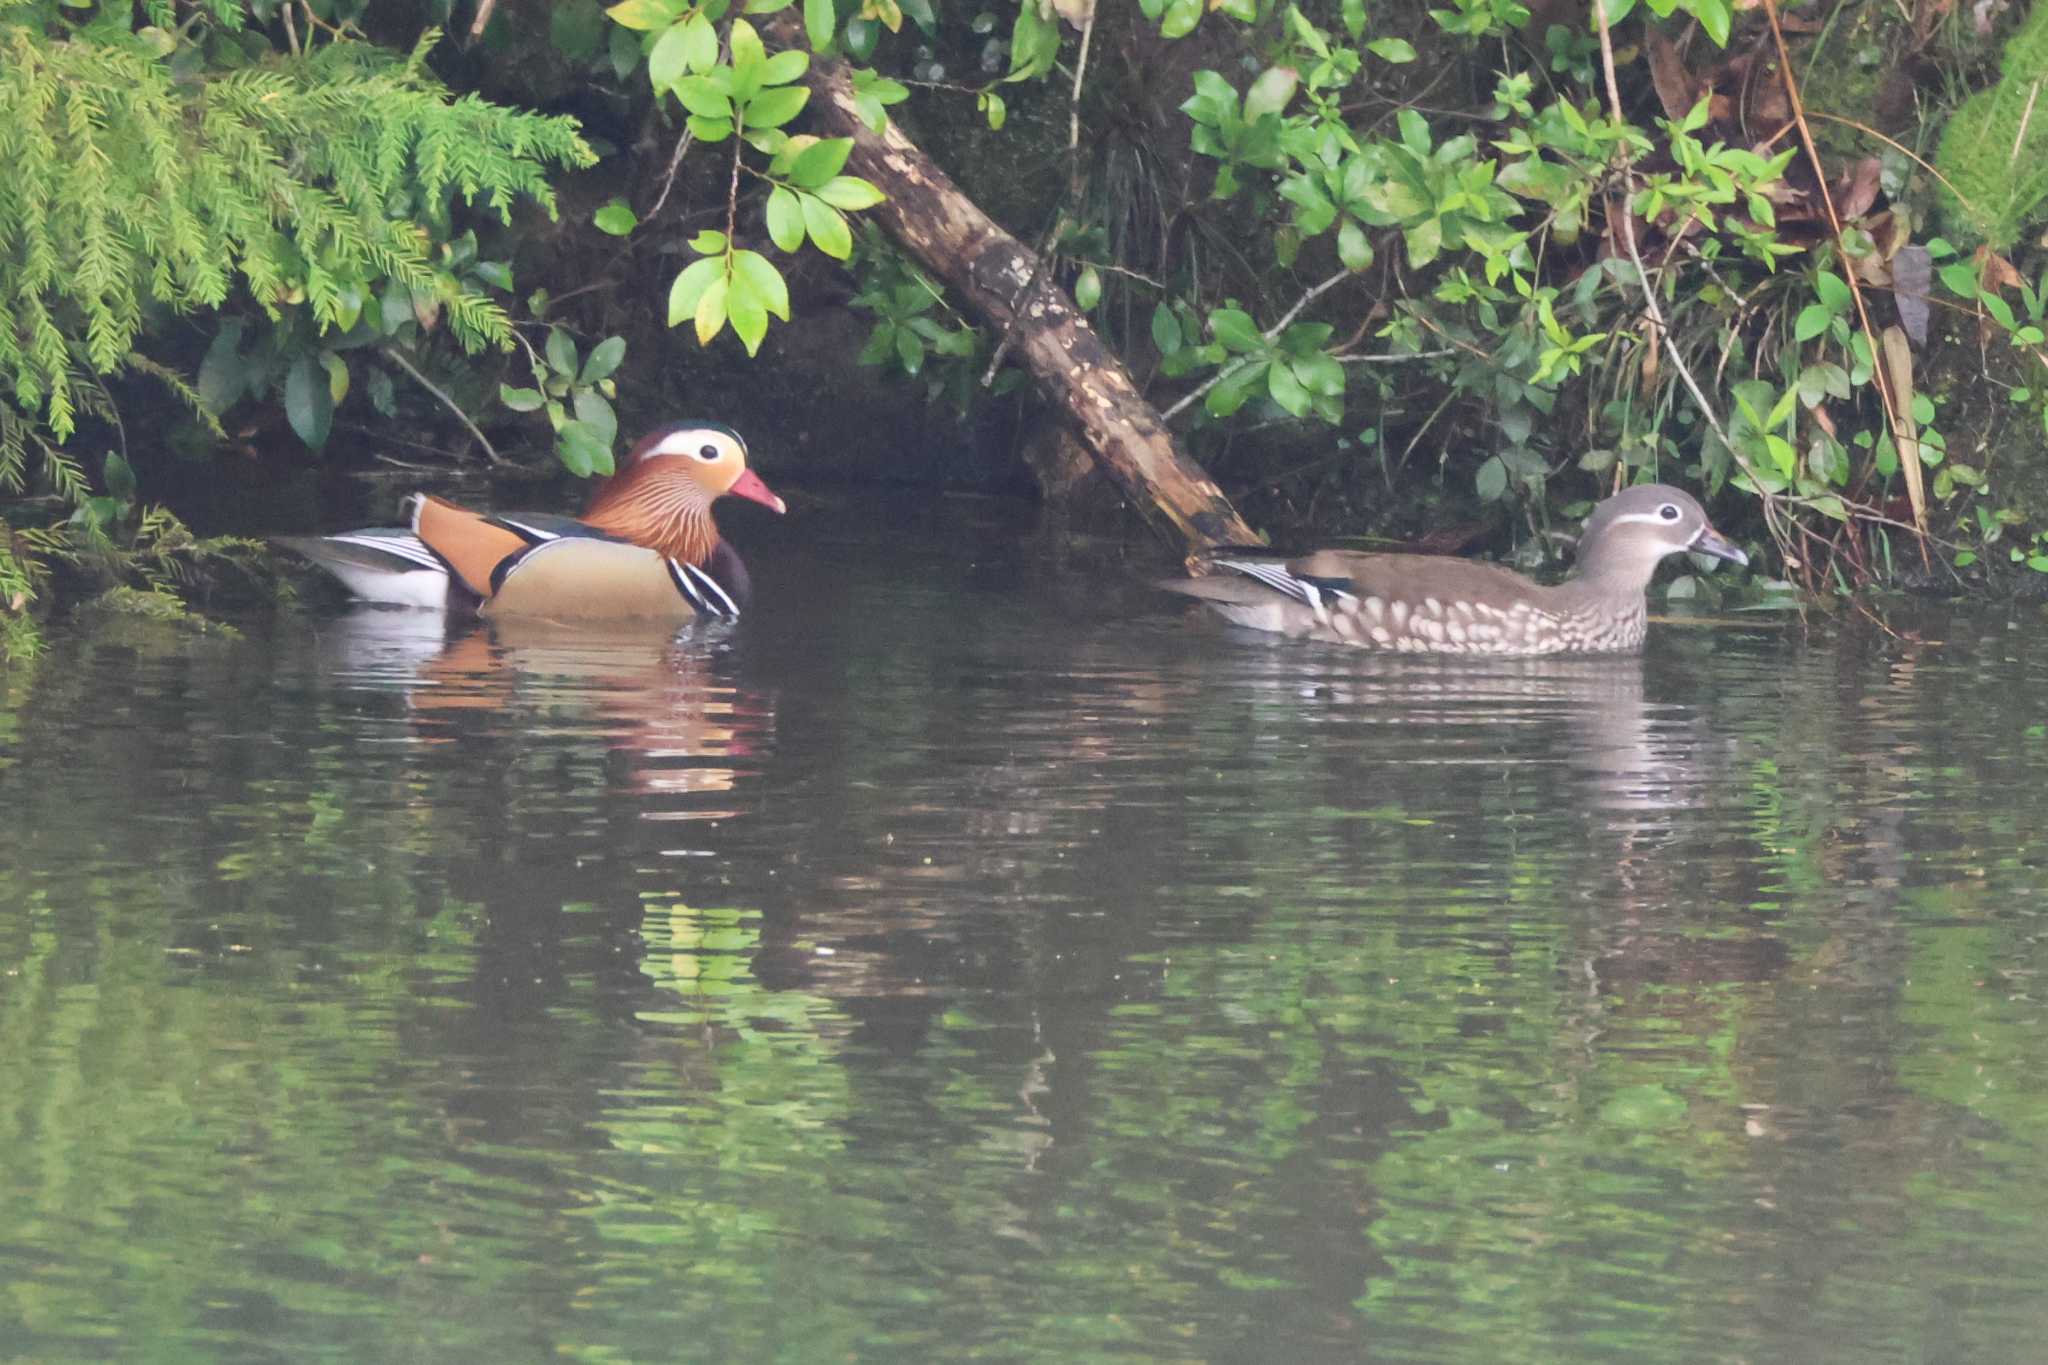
(690, 286)
(561, 351)
(1181, 18)
(308, 401)
(1491, 480)
(118, 477)
(1231, 392)
(582, 450)
(701, 95)
(1961, 279)
(223, 374)
(785, 219)
(1166, 333)
(710, 129)
(669, 62)
(1424, 240)
(1287, 390)
(1271, 92)
(382, 397)
(645, 15)
(709, 242)
(993, 108)
(1354, 249)
(1812, 321)
(1088, 289)
(1394, 50)
(520, 400)
(776, 106)
(616, 218)
(763, 281)
(1234, 328)
(1320, 374)
(1831, 291)
(594, 412)
(747, 52)
(1715, 17)
(850, 192)
(604, 360)
(337, 375)
(909, 350)
(710, 314)
(819, 162)
(827, 229)
(785, 66)
(821, 22)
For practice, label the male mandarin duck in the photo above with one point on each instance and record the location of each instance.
(1424, 604)
(646, 546)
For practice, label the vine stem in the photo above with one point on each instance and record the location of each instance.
(1315, 292)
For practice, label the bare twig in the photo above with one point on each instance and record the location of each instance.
(482, 20)
(1908, 449)
(1628, 236)
(668, 178)
(391, 354)
(1081, 70)
(1315, 292)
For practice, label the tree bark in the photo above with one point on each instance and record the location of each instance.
(1003, 281)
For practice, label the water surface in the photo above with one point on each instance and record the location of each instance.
(974, 957)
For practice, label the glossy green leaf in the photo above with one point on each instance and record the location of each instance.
(1811, 322)
(710, 129)
(669, 61)
(1287, 390)
(1181, 18)
(581, 451)
(785, 219)
(1395, 50)
(776, 106)
(1166, 333)
(308, 401)
(604, 360)
(747, 51)
(819, 162)
(1831, 291)
(1354, 248)
(520, 400)
(747, 312)
(645, 15)
(1234, 389)
(821, 23)
(689, 288)
(827, 228)
(1234, 328)
(594, 412)
(763, 280)
(850, 192)
(701, 95)
(1088, 289)
(785, 66)
(616, 218)
(710, 313)
(561, 352)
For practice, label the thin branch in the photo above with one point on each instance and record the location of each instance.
(1080, 70)
(668, 178)
(1908, 448)
(1655, 310)
(391, 354)
(1315, 292)
(1393, 359)
(482, 20)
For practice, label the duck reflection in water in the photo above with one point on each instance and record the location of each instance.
(657, 696)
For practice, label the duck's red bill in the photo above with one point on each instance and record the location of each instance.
(749, 486)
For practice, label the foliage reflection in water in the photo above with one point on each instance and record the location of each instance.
(970, 963)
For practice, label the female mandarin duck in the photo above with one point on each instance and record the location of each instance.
(1424, 604)
(646, 546)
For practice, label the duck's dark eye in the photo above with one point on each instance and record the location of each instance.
(709, 453)
(1669, 511)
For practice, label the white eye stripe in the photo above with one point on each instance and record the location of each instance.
(691, 443)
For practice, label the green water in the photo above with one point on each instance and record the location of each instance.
(969, 958)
